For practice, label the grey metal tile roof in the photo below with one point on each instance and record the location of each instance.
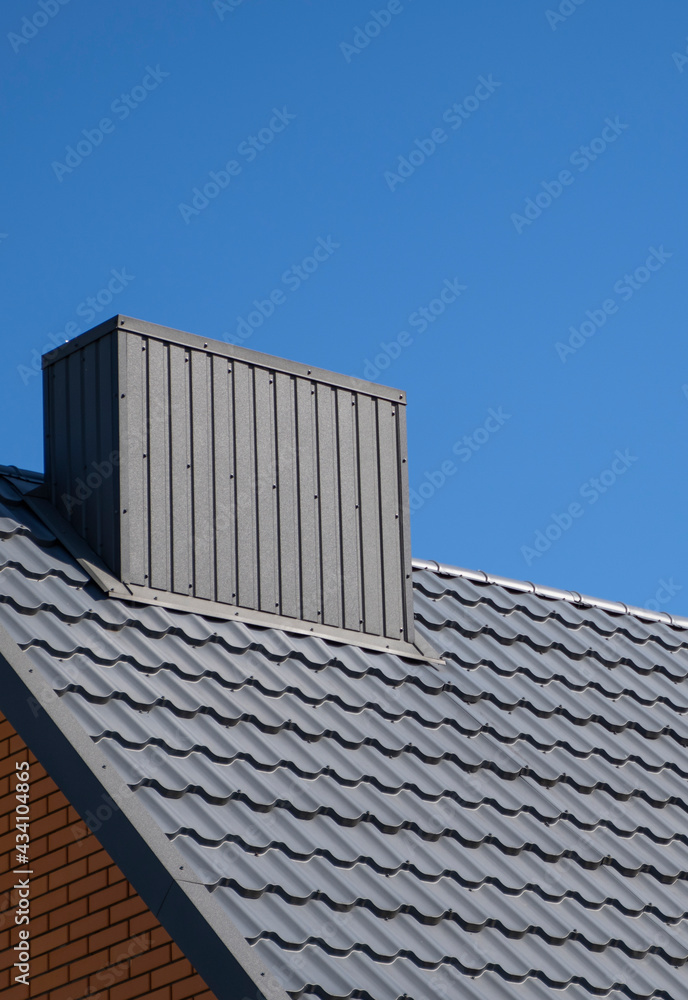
(512, 825)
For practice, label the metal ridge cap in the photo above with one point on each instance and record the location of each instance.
(552, 593)
(12, 472)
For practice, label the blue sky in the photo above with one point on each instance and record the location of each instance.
(501, 192)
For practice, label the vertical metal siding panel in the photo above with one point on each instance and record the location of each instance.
(48, 404)
(247, 550)
(202, 476)
(390, 519)
(180, 469)
(287, 495)
(223, 462)
(348, 510)
(266, 500)
(370, 515)
(133, 444)
(328, 494)
(60, 440)
(93, 463)
(75, 431)
(309, 521)
(105, 403)
(405, 518)
(156, 465)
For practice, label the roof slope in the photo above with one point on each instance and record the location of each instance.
(511, 824)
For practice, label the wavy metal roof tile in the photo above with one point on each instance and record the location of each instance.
(510, 825)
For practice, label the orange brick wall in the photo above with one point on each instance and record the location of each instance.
(91, 934)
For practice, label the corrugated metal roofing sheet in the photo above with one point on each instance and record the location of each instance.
(506, 826)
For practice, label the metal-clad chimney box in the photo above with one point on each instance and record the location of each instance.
(212, 477)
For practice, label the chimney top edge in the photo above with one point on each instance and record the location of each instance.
(137, 327)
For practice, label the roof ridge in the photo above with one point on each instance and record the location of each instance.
(480, 576)
(553, 593)
(13, 472)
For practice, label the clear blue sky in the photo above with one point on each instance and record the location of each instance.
(481, 106)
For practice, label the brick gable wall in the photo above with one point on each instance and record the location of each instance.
(91, 933)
